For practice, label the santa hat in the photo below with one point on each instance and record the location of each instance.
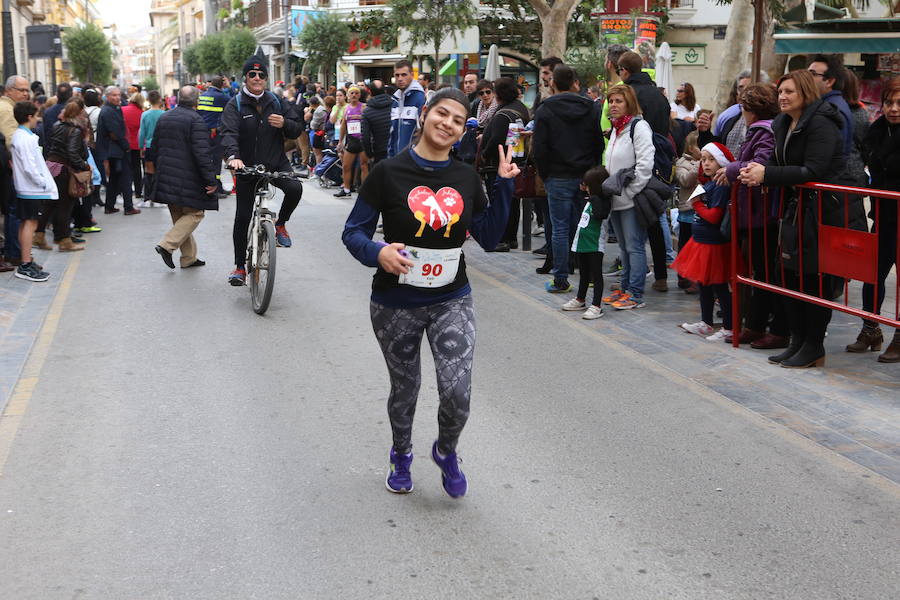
(719, 152)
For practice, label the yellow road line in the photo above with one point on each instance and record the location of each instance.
(619, 349)
(18, 402)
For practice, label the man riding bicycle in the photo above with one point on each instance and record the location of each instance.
(255, 124)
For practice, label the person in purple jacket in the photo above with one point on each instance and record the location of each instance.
(757, 220)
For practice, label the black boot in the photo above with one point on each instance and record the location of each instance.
(792, 349)
(809, 355)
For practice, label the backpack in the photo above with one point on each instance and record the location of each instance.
(237, 103)
(663, 156)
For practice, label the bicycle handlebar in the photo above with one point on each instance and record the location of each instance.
(260, 171)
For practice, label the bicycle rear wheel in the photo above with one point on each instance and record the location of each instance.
(262, 268)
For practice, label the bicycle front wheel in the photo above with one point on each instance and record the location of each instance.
(262, 268)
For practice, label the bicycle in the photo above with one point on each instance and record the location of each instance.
(261, 237)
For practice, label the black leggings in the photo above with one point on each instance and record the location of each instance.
(590, 266)
(243, 212)
(887, 258)
(708, 295)
(658, 251)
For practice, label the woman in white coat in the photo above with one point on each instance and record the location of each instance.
(630, 145)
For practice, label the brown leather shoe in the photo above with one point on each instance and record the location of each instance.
(133, 211)
(770, 342)
(661, 285)
(869, 338)
(109, 211)
(5, 267)
(39, 240)
(892, 354)
(749, 335)
(67, 245)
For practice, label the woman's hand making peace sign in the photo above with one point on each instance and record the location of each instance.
(507, 168)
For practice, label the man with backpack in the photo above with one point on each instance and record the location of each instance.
(255, 124)
(566, 143)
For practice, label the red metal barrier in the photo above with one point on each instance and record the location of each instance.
(841, 251)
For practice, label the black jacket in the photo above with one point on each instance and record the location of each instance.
(67, 145)
(376, 126)
(654, 107)
(248, 136)
(881, 153)
(112, 141)
(567, 140)
(814, 153)
(496, 129)
(183, 161)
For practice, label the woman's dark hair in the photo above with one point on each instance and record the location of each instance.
(594, 179)
(449, 93)
(154, 97)
(91, 97)
(851, 88)
(23, 110)
(506, 90)
(484, 84)
(761, 99)
(690, 97)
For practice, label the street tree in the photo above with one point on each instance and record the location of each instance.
(211, 52)
(190, 58)
(325, 39)
(554, 16)
(89, 52)
(240, 44)
(430, 22)
(150, 83)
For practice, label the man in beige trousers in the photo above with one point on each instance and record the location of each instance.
(185, 179)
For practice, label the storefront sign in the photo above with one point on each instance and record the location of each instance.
(638, 33)
(688, 56)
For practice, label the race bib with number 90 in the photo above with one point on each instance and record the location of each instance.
(431, 268)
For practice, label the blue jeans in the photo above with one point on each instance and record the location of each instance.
(632, 250)
(667, 236)
(562, 200)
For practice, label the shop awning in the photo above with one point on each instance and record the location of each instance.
(449, 68)
(868, 36)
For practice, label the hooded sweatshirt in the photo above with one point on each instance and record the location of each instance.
(405, 110)
(376, 125)
(567, 138)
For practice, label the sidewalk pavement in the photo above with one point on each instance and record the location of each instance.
(852, 406)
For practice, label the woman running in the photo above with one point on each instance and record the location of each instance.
(427, 202)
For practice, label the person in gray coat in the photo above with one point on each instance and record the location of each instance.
(185, 179)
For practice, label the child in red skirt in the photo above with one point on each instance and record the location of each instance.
(705, 258)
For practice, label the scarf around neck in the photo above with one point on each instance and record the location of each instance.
(252, 95)
(621, 122)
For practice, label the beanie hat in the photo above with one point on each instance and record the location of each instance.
(255, 63)
(719, 152)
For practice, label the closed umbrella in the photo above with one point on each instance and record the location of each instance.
(664, 77)
(492, 67)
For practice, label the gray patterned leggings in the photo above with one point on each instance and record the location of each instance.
(450, 327)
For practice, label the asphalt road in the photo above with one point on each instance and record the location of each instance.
(176, 445)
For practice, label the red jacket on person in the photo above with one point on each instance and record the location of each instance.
(132, 114)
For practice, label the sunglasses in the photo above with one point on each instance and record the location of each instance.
(256, 75)
(485, 93)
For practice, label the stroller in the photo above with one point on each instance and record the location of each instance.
(330, 170)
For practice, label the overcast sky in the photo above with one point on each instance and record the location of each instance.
(128, 15)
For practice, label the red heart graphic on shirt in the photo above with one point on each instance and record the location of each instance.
(437, 209)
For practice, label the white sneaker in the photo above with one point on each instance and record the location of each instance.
(720, 335)
(593, 312)
(573, 304)
(698, 328)
(538, 230)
